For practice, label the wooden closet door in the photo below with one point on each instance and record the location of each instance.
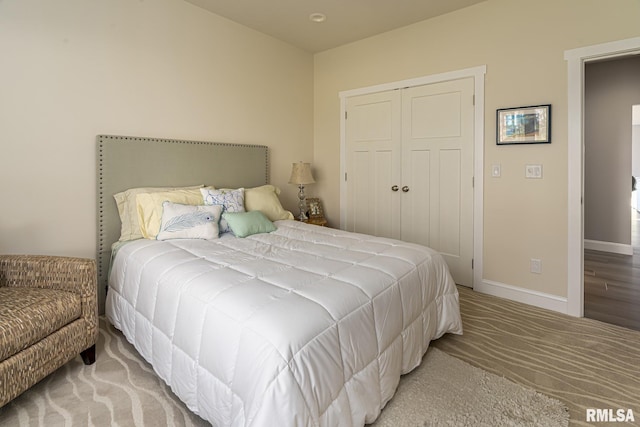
(437, 172)
(373, 151)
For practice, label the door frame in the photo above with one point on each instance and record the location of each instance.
(477, 73)
(576, 59)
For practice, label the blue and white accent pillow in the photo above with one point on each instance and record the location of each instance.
(189, 221)
(231, 201)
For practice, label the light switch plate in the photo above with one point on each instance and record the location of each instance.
(533, 171)
(496, 171)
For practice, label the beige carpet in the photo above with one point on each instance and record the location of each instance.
(122, 390)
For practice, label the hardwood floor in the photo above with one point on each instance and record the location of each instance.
(612, 284)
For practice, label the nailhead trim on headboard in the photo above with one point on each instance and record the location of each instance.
(127, 162)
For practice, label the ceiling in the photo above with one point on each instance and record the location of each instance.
(346, 20)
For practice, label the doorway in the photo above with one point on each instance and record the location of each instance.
(611, 264)
(576, 59)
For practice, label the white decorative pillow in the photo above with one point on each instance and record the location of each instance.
(231, 201)
(189, 221)
(150, 209)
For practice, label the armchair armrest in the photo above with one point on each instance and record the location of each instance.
(69, 274)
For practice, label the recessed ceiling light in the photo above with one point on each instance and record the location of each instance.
(318, 17)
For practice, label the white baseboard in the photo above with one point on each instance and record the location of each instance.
(616, 248)
(526, 296)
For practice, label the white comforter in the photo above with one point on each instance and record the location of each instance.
(305, 326)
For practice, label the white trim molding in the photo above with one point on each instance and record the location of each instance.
(477, 73)
(614, 248)
(576, 58)
(525, 296)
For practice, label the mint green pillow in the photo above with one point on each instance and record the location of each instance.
(245, 224)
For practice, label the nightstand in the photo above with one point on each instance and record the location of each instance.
(315, 212)
(322, 222)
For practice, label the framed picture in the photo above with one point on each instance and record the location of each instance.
(314, 206)
(524, 125)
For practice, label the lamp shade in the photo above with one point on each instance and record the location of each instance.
(301, 174)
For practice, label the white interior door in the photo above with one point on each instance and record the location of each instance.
(409, 167)
(373, 163)
(437, 171)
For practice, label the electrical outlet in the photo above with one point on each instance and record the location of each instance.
(536, 266)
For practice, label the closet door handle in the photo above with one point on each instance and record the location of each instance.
(405, 189)
(394, 188)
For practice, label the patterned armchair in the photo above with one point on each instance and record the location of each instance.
(48, 315)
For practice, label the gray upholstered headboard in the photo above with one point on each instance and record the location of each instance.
(128, 162)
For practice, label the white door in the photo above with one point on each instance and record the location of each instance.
(409, 168)
(437, 172)
(373, 150)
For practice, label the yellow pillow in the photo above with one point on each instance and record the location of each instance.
(149, 207)
(128, 210)
(265, 199)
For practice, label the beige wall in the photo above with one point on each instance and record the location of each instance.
(164, 68)
(522, 44)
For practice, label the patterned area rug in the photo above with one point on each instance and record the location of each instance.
(121, 389)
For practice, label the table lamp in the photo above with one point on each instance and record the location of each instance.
(301, 176)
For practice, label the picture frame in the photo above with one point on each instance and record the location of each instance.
(524, 125)
(314, 208)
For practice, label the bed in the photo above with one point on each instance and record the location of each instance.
(300, 326)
